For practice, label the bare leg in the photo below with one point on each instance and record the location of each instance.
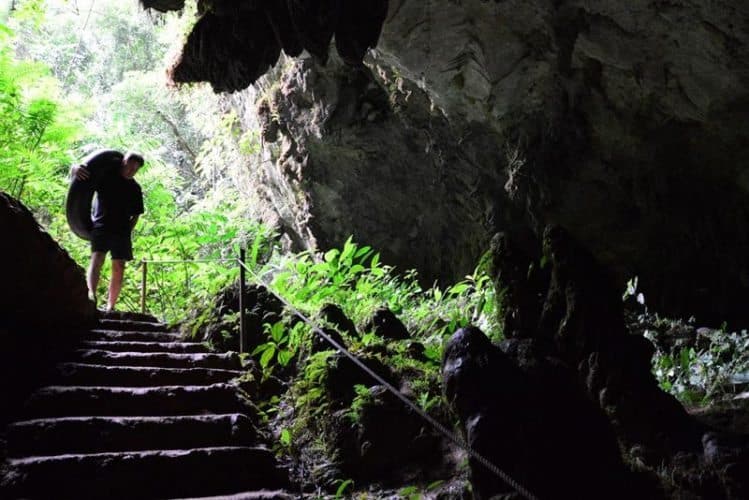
(118, 270)
(94, 271)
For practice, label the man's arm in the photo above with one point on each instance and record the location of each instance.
(133, 222)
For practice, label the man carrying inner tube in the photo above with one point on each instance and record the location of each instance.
(118, 204)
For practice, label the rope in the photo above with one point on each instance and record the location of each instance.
(433, 422)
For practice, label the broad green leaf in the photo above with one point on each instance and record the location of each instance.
(267, 355)
(348, 249)
(285, 437)
(362, 252)
(343, 487)
(260, 348)
(331, 255)
(277, 331)
(284, 357)
(459, 288)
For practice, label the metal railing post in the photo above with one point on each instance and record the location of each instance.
(143, 285)
(242, 290)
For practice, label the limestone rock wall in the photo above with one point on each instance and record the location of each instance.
(364, 152)
(625, 124)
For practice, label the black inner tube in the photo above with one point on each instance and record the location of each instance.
(81, 193)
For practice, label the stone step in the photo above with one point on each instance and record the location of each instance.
(144, 474)
(83, 374)
(117, 335)
(57, 436)
(78, 401)
(225, 361)
(140, 346)
(251, 495)
(132, 326)
(128, 316)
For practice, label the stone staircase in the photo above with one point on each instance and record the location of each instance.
(137, 413)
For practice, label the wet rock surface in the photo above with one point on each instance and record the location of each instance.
(578, 314)
(337, 318)
(386, 429)
(344, 374)
(531, 421)
(386, 324)
(625, 124)
(363, 151)
(319, 343)
(567, 340)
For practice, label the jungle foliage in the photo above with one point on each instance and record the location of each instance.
(77, 76)
(710, 365)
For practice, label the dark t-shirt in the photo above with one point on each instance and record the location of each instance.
(117, 199)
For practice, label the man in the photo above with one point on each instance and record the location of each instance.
(117, 207)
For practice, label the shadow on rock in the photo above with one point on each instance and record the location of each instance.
(526, 413)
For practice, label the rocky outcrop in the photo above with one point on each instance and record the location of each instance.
(219, 324)
(364, 152)
(577, 314)
(569, 354)
(38, 275)
(531, 422)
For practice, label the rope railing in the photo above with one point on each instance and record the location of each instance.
(438, 426)
(144, 264)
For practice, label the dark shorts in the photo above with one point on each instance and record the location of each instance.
(117, 243)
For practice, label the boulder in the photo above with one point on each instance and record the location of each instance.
(384, 323)
(334, 315)
(525, 413)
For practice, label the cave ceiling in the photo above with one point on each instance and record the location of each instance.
(234, 43)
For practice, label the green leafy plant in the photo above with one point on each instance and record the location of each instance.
(310, 387)
(426, 400)
(281, 346)
(362, 398)
(285, 437)
(409, 492)
(698, 376)
(343, 487)
(354, 278)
